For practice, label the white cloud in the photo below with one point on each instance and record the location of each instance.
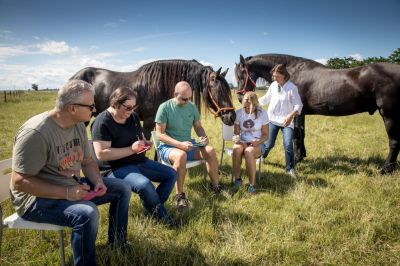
(9, 51)
(323, 61)
(205, 63)
(6, 35)
(113, 24)
(357, 57)
(110, 24)
(139, 49)
(54, 47)
(94, 47)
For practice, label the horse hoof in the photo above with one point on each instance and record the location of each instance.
(298, 159)
(387, 169)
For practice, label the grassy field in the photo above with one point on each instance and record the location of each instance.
(339, 212)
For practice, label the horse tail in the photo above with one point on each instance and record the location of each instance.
(87, 74)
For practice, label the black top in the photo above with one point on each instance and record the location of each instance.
(105, 128)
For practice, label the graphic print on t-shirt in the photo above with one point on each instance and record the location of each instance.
(248, 127)
(69, 154)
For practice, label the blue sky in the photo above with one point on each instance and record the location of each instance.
(46, 42)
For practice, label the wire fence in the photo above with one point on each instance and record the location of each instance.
(10, 96)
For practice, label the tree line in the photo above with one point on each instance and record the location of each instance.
(348, 62)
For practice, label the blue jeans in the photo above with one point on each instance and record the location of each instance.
(287, 143)
(140, 177)
(83, 217)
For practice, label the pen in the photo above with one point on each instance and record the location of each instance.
(144, 138)
(77, 179)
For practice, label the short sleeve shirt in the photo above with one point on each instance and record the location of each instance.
(44, 149)
(105, 128)
(178, 119)
(250, 126)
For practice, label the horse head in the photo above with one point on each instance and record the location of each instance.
(245, 78)
(218, 97)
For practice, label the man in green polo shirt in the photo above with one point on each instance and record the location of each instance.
(174, 121)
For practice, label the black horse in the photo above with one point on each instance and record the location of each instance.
(154, 83)
(331, 92)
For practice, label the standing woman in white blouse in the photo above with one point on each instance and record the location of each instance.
(284, 104)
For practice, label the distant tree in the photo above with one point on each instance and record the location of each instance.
(336, 63)
(395, 56)
(35, 87)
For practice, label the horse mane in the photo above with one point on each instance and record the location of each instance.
(160, 77)
(283, 59)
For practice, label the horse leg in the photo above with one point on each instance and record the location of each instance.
(148, 126)
(298, 138)
(392, 126)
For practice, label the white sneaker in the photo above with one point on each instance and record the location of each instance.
(292, 173)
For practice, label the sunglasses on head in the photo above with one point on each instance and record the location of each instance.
(129, 108)
(91, 107)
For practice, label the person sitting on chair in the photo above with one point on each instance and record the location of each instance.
(174, 121)
(251, 131)
(118, 139)
(49, 152)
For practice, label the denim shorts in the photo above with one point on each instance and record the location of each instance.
(165, 150)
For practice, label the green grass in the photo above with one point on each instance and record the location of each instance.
(339, 212)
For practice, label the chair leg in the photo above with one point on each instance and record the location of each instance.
(1, 228)
(259, 169)
(62, 255)
(222, 154)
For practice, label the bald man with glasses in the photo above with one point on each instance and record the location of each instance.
(174, 121)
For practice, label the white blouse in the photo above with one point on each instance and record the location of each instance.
(282, 101)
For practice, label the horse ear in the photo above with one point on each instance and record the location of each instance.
(224, 73)
(242, 61)
(219, 71)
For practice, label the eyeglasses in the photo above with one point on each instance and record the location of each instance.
(91, 107)
(129, 108)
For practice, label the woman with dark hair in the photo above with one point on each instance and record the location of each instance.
(284, 104)
(118, 139)
(251, 130)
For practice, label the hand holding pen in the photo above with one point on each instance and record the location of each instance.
(79, 191)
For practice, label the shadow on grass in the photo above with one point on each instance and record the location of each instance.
(144, 252)
(342, 164)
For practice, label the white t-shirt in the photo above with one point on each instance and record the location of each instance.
(250, 127)
(282, 101)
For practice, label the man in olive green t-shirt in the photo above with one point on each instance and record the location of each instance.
(50, 150)
(174, 121)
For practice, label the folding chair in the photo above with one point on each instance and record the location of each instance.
(16, 222)
(189, 164)
(227, 134)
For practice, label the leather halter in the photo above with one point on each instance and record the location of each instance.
(219, 109)
(243, 90)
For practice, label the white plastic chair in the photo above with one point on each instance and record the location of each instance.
(227, 134)
(189, 164)
(16, 222)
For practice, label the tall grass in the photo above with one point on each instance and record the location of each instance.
(339, 212)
